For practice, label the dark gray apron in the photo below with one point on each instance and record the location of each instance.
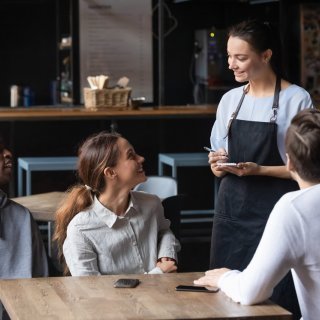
(244, 203)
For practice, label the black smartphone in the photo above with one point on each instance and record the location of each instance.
(126, 283)
(197, 289)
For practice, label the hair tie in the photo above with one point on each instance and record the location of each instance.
(88, 187)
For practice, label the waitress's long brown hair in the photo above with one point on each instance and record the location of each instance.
(96, 153)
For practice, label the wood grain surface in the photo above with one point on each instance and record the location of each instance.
(74, 113)
(42, 206)
(96, 298)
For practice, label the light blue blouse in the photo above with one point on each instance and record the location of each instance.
(100, 242)
(292, 100)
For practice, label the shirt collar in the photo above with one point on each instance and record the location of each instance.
(108, 216)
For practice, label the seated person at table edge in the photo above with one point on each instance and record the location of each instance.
(22, 254)
(291, 237)
(103, 227)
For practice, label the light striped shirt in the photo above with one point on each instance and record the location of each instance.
(100, 242)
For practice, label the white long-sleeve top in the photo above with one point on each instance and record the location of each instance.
(291, 240)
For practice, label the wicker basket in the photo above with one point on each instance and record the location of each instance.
(117, 98)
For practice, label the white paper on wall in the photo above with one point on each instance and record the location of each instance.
(116, 40)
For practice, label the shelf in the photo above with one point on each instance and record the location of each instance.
(67, 52)
(64, 47)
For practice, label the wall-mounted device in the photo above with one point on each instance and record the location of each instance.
(210, 49)
(211, 73)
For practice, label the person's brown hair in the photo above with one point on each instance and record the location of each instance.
(261, 36)
(303, 144)
(96, 153)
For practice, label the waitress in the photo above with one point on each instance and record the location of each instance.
(250, 130)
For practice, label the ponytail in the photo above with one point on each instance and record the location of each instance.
(77, 199)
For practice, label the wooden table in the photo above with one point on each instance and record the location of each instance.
(42, 206)
(95, 298)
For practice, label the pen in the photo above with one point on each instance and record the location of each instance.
(208, 149)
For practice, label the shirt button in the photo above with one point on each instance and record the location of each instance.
(134, 243)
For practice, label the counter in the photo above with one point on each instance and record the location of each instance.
(81, 113)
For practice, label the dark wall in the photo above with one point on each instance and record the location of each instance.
(28, 51)
(28, 47)
(179, 45)
(203, 14)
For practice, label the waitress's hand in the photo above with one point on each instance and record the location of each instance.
(244, 169)
(219, 155)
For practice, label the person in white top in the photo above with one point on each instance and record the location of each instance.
(291, 238)
(103, 227)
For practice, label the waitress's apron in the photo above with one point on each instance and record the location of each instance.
(244, 203)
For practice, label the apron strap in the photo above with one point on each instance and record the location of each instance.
(235, 113)
(275, 105)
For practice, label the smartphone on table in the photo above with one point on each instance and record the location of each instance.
(126, 283)
(197, 289)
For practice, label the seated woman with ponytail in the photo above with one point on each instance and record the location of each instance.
(103, 227)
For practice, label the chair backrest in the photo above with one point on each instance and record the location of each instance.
(166, 188)
(172, 207)
(161, 186)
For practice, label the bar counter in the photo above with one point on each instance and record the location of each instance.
(81, 113)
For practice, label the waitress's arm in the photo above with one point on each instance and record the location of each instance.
(253, 169)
